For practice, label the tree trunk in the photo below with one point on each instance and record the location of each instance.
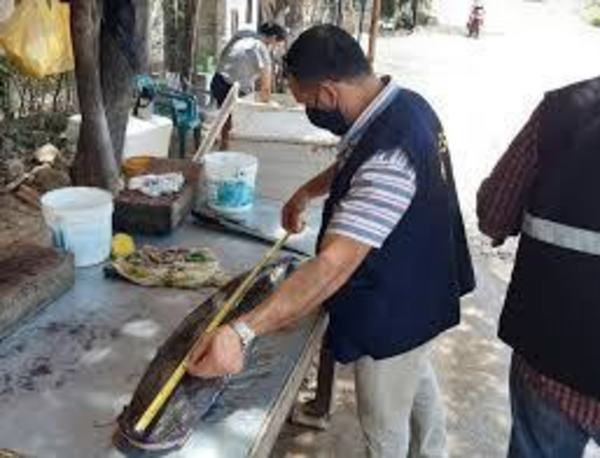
(142, 16)
(290, 13)
(190, 41)
(294, 19)
(171, 51)
(104, 78)
(361, 19)
(117, 92)
(414, 6)
(375, 15)
(339, 13)
(95, 163)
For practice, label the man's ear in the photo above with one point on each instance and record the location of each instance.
(328, 98)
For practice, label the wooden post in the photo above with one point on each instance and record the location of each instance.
(375, 14)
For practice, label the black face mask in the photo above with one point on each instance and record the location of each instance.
(333, 121)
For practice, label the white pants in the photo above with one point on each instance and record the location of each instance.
(399, 406)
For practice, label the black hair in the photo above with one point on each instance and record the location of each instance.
(326, 52)
(273, 30)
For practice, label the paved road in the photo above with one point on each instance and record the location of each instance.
(483, 90)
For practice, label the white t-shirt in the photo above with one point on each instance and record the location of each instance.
(244, 62)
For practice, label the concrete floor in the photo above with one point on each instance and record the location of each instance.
(483, 91)
(472, 367)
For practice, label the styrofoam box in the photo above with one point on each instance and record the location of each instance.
(290, 150)
(149, 137)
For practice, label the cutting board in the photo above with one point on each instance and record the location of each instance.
(137, 213)
(31, 277)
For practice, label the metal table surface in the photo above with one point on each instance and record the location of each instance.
(263, 223)
(67, 373)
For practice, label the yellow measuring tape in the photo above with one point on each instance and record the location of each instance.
(169, 387)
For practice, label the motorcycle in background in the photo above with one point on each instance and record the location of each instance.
(475, 22)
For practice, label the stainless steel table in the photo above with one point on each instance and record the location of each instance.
(66, 374)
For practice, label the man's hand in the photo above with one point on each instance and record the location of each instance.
(292, 218)
(217, 354)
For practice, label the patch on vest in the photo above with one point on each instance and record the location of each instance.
(443, 150)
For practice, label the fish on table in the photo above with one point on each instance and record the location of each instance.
(193, 397)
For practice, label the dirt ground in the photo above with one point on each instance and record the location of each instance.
(20, 221)
(19, 138)
(472, 368)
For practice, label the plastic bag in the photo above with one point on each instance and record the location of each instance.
(6, 9)
(37, 38)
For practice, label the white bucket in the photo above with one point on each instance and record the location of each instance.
(81, 222)
(230, 181)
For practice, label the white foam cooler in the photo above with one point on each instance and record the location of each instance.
(289, 148)
(144, 137)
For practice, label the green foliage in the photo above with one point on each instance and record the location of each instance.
(389, 8)
(591, 13)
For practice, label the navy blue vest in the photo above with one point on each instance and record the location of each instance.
(552, 311)
(408, 291)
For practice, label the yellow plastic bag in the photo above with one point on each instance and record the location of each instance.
(37, 37)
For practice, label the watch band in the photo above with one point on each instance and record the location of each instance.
(245, 332)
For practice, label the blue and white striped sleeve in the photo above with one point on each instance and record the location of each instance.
(380, 193)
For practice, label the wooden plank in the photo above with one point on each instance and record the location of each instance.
(214, 130)
(265, 440)
(375, 15)
(31, 277)
(138, 213)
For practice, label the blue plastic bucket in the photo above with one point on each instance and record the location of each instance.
(230, 181)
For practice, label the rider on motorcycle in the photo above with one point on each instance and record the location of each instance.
(476, 19)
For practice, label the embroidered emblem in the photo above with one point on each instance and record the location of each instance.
(443, 150)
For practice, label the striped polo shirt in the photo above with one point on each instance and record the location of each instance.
(383, 187)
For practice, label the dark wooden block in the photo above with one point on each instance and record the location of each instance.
(138, 213)
(31, 277)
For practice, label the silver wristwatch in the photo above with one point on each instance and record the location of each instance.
(245, 332)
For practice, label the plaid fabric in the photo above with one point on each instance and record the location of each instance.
(501, 203)
(502, 196)
(583, 410)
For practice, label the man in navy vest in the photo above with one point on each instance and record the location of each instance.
(546, 188)
(392, 258)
